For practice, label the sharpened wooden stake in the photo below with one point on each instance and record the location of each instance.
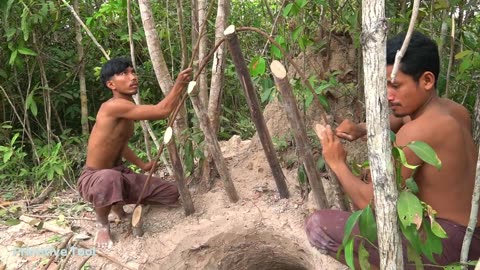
(255, 110)
(212, 143)
(169, 141)
(138, 215)
(298, 127)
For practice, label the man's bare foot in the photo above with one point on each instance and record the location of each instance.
(118, 215)
(102, 237)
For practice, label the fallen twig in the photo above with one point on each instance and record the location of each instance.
(83, 262)
(61, 246)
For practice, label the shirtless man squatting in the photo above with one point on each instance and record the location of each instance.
(419, 114)
(105, 181)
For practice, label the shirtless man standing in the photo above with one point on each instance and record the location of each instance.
(418, 115)
(105, 181)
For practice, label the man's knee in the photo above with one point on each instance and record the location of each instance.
(318, 230)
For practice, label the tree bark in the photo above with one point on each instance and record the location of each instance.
(169, 140)
(202, 50)
(473, 217)
(476, 120)
(299, 131)
(212, 143)
(81, 73)
(159, 65)
(183, 40)
(255, 110)
(379, 147)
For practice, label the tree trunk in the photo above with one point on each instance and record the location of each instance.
(202, 50)
(81, 73)
(183, 40)
(298, 127)
(212, 143)
(476, 120)
(216, 86)
(379, 147)
(255, 110)
(159, 65)
(178, 173)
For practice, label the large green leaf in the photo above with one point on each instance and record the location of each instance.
(432, 244)
(275, 50)
(26, 51)
(409, 209)
(351, 221)
(437, 229)
(349, 255)
(425, 153)
(257, 66)
(414, 257)
(367, 224)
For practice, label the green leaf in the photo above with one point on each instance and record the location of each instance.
(414, 257)
(363, 257)
(26, 51)
(257, 66)
(33, 108)
(411, 185)
(10, 32)
(323, 100)
(351, 221)
(320, 163)
(13, 57)
(7, 155)
(349, 254)
(287, 9)
(425, 153)
(275, 50)
(308, 98)
(432, 244)
(398, 152)
(367, 224)
(296, 33)
(437, 229)
(393, 136)
(12, 222)
(462, 54)
(409, 209)
(301, 3)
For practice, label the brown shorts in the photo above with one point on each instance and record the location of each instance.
(120, 184)
(325, 230)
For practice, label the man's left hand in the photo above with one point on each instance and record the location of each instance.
(147, 166)
(332, 149)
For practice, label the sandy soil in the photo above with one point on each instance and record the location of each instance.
(261, 231)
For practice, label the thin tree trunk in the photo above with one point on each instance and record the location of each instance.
(216, 86)
(81, 73)
(472, 224)
(136, 97)
(46, 91)
(301, 140)
(379, 148)
(450, 58)
(169, 140)
(202, 51)
(212, 143)
(476, 120)
(159, 65)
(255, 110)
(183, 40)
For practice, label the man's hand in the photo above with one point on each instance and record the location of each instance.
(147, 166)
(332, 149)
(183, 78)
(349, 131)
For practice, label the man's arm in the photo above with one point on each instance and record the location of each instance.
(130, 156)
(350, 131)
(121, 108)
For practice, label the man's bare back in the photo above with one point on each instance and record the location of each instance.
(444, 125)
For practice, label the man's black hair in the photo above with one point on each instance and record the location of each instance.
(112, 67)
(421, 55)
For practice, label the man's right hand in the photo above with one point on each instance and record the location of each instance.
(183, 78)
(349, 131)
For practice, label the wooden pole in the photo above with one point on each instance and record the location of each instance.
(178, 172)
(299, 131)
(255, 110)
(212, 142)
